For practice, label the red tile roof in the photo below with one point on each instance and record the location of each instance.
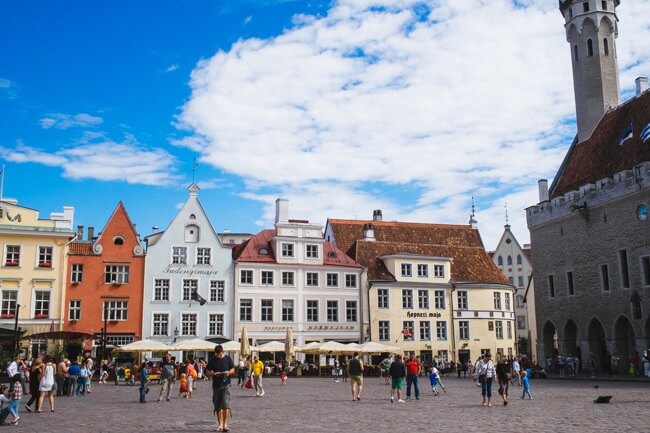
(601, 155)
(471, 263)
(81, 248)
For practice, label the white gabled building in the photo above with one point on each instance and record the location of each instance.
(187, 257)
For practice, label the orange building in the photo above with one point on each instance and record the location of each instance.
(106, 275)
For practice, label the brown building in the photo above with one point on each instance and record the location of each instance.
(106, 275)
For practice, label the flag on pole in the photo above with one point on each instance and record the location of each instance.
(627, 134)
(645, 134)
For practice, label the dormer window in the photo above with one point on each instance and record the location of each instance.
(264, 251)
(439, 271)
(192, 216)
(192, 233)
(118, 240)
(407, 270)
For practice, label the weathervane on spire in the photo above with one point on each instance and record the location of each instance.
(473, 214)
(505, 205)
(194, 165)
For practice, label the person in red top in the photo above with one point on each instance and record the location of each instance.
(412, 372)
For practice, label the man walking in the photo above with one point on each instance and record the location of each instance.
(220, 368)
(397, 373)
(258, 372)
(412, 371)
(355, 371)
(167, 373)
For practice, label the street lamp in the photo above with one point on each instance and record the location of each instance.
(175, 334)
(16, 341)
(104, 330)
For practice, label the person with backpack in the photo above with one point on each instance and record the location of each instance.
(355, 371)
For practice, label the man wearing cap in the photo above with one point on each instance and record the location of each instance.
(220, 368)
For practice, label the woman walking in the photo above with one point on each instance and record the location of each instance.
(35, 376)
(485, 374)
(46, 385)
(504, 376)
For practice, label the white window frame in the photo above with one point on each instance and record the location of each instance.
(498, 329)
(264, 274)
(201, 257)
(439, 299)
(15, 255)
(216, 321)
(113, 307)
(188, 288)
(497, 301)
(311, 251)
(217, 291)
(161, 290)
(441, 330)
(247, 272)
(348, 282)
(15, 302)
(308, 311)
(42, 256)
(249, 309)
(287, 249)
(407, 299)
(263, 311)
(439, 271)
(284, 308)
(335, 310)
(383, 294)
(287, 273)
(116, 273)
(35, 293)
(462, 300)
(74, 310)
(332, 275)
(76, 273)
(178, 255)
(182, 332)
(406, 270)
(463, 330)
(425, 330)
(153, 323)
(309, 279)
(423, 299)
(423, 270)
(383, 330)
(351, 306)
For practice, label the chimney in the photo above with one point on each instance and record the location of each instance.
(542, 184)
(91, 233)
(368, 232)
(281, 210)
(641, 85)
(80, 232)
(376, 215)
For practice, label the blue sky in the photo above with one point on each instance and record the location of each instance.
(342, 107)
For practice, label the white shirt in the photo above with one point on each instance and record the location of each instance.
(12, 369)
(515, 365)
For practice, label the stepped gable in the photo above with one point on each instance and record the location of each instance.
(601, 155)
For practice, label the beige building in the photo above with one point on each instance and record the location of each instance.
(33, 270)
(430, 289)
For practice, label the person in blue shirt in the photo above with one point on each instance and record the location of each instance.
(73, 376)
(526, 384)
(144, 380)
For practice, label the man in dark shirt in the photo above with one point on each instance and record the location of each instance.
(355, 371)
(220, 368)
(167, 372)
(397, 373)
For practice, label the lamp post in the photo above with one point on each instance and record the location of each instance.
(175, 334)
(104, 330)
(16, 343)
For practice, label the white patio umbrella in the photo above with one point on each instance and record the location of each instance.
(336, 348)
(313, 347)
(271, 346)
(231, 346)
(373, 347)
(194, 344)
(146, 346)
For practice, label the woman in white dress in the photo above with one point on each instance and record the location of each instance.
(46, 385)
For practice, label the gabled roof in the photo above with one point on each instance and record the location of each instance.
(601, 155)
(462, 243)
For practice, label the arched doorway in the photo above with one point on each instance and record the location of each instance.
(597, 343)
(571, 339)
(549, 335)
(647, 333)
(625, 344)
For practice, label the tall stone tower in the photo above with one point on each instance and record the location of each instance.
(591, 30)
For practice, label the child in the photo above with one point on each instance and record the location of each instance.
(433, 378)
(15, 394)
(183, 389)
(144, 381)
(526, 384)
(283, 377)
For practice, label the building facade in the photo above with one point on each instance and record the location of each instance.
(289, 277)
(105, 283)
(430, 289)
(33, 272)
(187, 266)
(590, 229)
(514, 261)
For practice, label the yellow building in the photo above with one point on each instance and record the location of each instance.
(32, 271)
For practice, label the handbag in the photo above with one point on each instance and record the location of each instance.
(54, 386)
(249, 383)
(482, 378)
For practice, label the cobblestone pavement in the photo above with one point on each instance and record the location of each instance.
(321, 405)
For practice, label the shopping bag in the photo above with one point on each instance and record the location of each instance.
(248, 384)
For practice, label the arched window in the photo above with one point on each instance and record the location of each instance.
(510, 260)
(590, 47)
(118, 240)
(575, 52)
(606, 46)
(500, 260)
(519, 259)
(192, 233)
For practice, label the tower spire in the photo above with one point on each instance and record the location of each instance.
(505, 205)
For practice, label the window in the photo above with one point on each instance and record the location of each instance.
(179, 255)
(606, 46)
(521, 322)
(423, 270)
(332, 280)
(624, 270)
(188, 324)
(41, 304)
(217, 291)
(575, 52)
(288, 278)
(312, 311)
(44, 257)
(498, 329)
(520, 281)
(604, 3)
(509, 327)
(570, 12)
(118, 240)
(590, 48)
(519, 262)
(497, 300)
(462, 300)
(423, 299)
(119, 340)
(266, 310)
(351, 311)
(439, 299)
(569, 283)
(312, 279)
(160, 324)
(585, 7)
(287, 250)
(74, 310)
(509, 260)
(511, 280)
(382, 298)
(406, 270)
(350, 281)
(287, 310)
(604, 278)
(407, 298)
(13, 255)
(384, 330)
(77, 273)
(507, 300)
(116, 274)
(189, 286)
(439, 271)
(203, 257)
(245, 310)
(245, 277)
(441, 330)
(645, 270)
(117, 310)
(332, 311)
(9, 301)
(490, 325)
(267, 278)
(500, 260)
(161, 290)
(520, 301)
(551, 287)
(192, 234)
(215, 324)
(311, 251)
(425, 331)
(463, 330)
(407, 330)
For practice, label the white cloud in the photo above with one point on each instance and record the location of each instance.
(248, 19)
(65, 121)
(172, 68)
(456, 97)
